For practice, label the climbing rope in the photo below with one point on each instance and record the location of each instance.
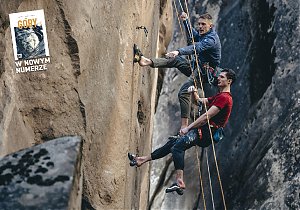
(178, 17)
(202, 189)
(205, 106)
(209, 178)
(210, 132)
(197, 155)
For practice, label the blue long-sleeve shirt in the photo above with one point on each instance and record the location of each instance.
(208, 47)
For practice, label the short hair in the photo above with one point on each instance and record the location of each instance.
(206, 16)
(230, 74)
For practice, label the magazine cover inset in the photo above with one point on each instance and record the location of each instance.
(29, 37)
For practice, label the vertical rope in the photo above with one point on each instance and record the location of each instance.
(197, 155)
(210, 132)
(211, 191)
(199, 167)
(178, 17)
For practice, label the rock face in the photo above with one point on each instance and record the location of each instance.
(47, 176)
(91, 89)
(258, 159)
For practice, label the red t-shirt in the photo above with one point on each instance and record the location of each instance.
(223, 101)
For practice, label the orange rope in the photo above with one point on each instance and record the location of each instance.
(197, 155)
(214, 152)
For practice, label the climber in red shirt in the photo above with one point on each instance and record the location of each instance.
(196, 133)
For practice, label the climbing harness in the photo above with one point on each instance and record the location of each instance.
(210, 73)
(210, 131)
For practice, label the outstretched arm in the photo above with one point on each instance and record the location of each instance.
(201, 46)
(188, 29)
(202, 120)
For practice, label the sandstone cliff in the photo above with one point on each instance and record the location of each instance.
(93, 90)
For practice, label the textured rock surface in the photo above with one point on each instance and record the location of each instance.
(47, 176)
(91, 89)
(259, 158)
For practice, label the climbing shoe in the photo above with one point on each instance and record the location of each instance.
(131, 157)
(136, 54)
(175, 187)
(133, 163)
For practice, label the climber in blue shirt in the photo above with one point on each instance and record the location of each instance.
(208, 50)
(207, 42)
